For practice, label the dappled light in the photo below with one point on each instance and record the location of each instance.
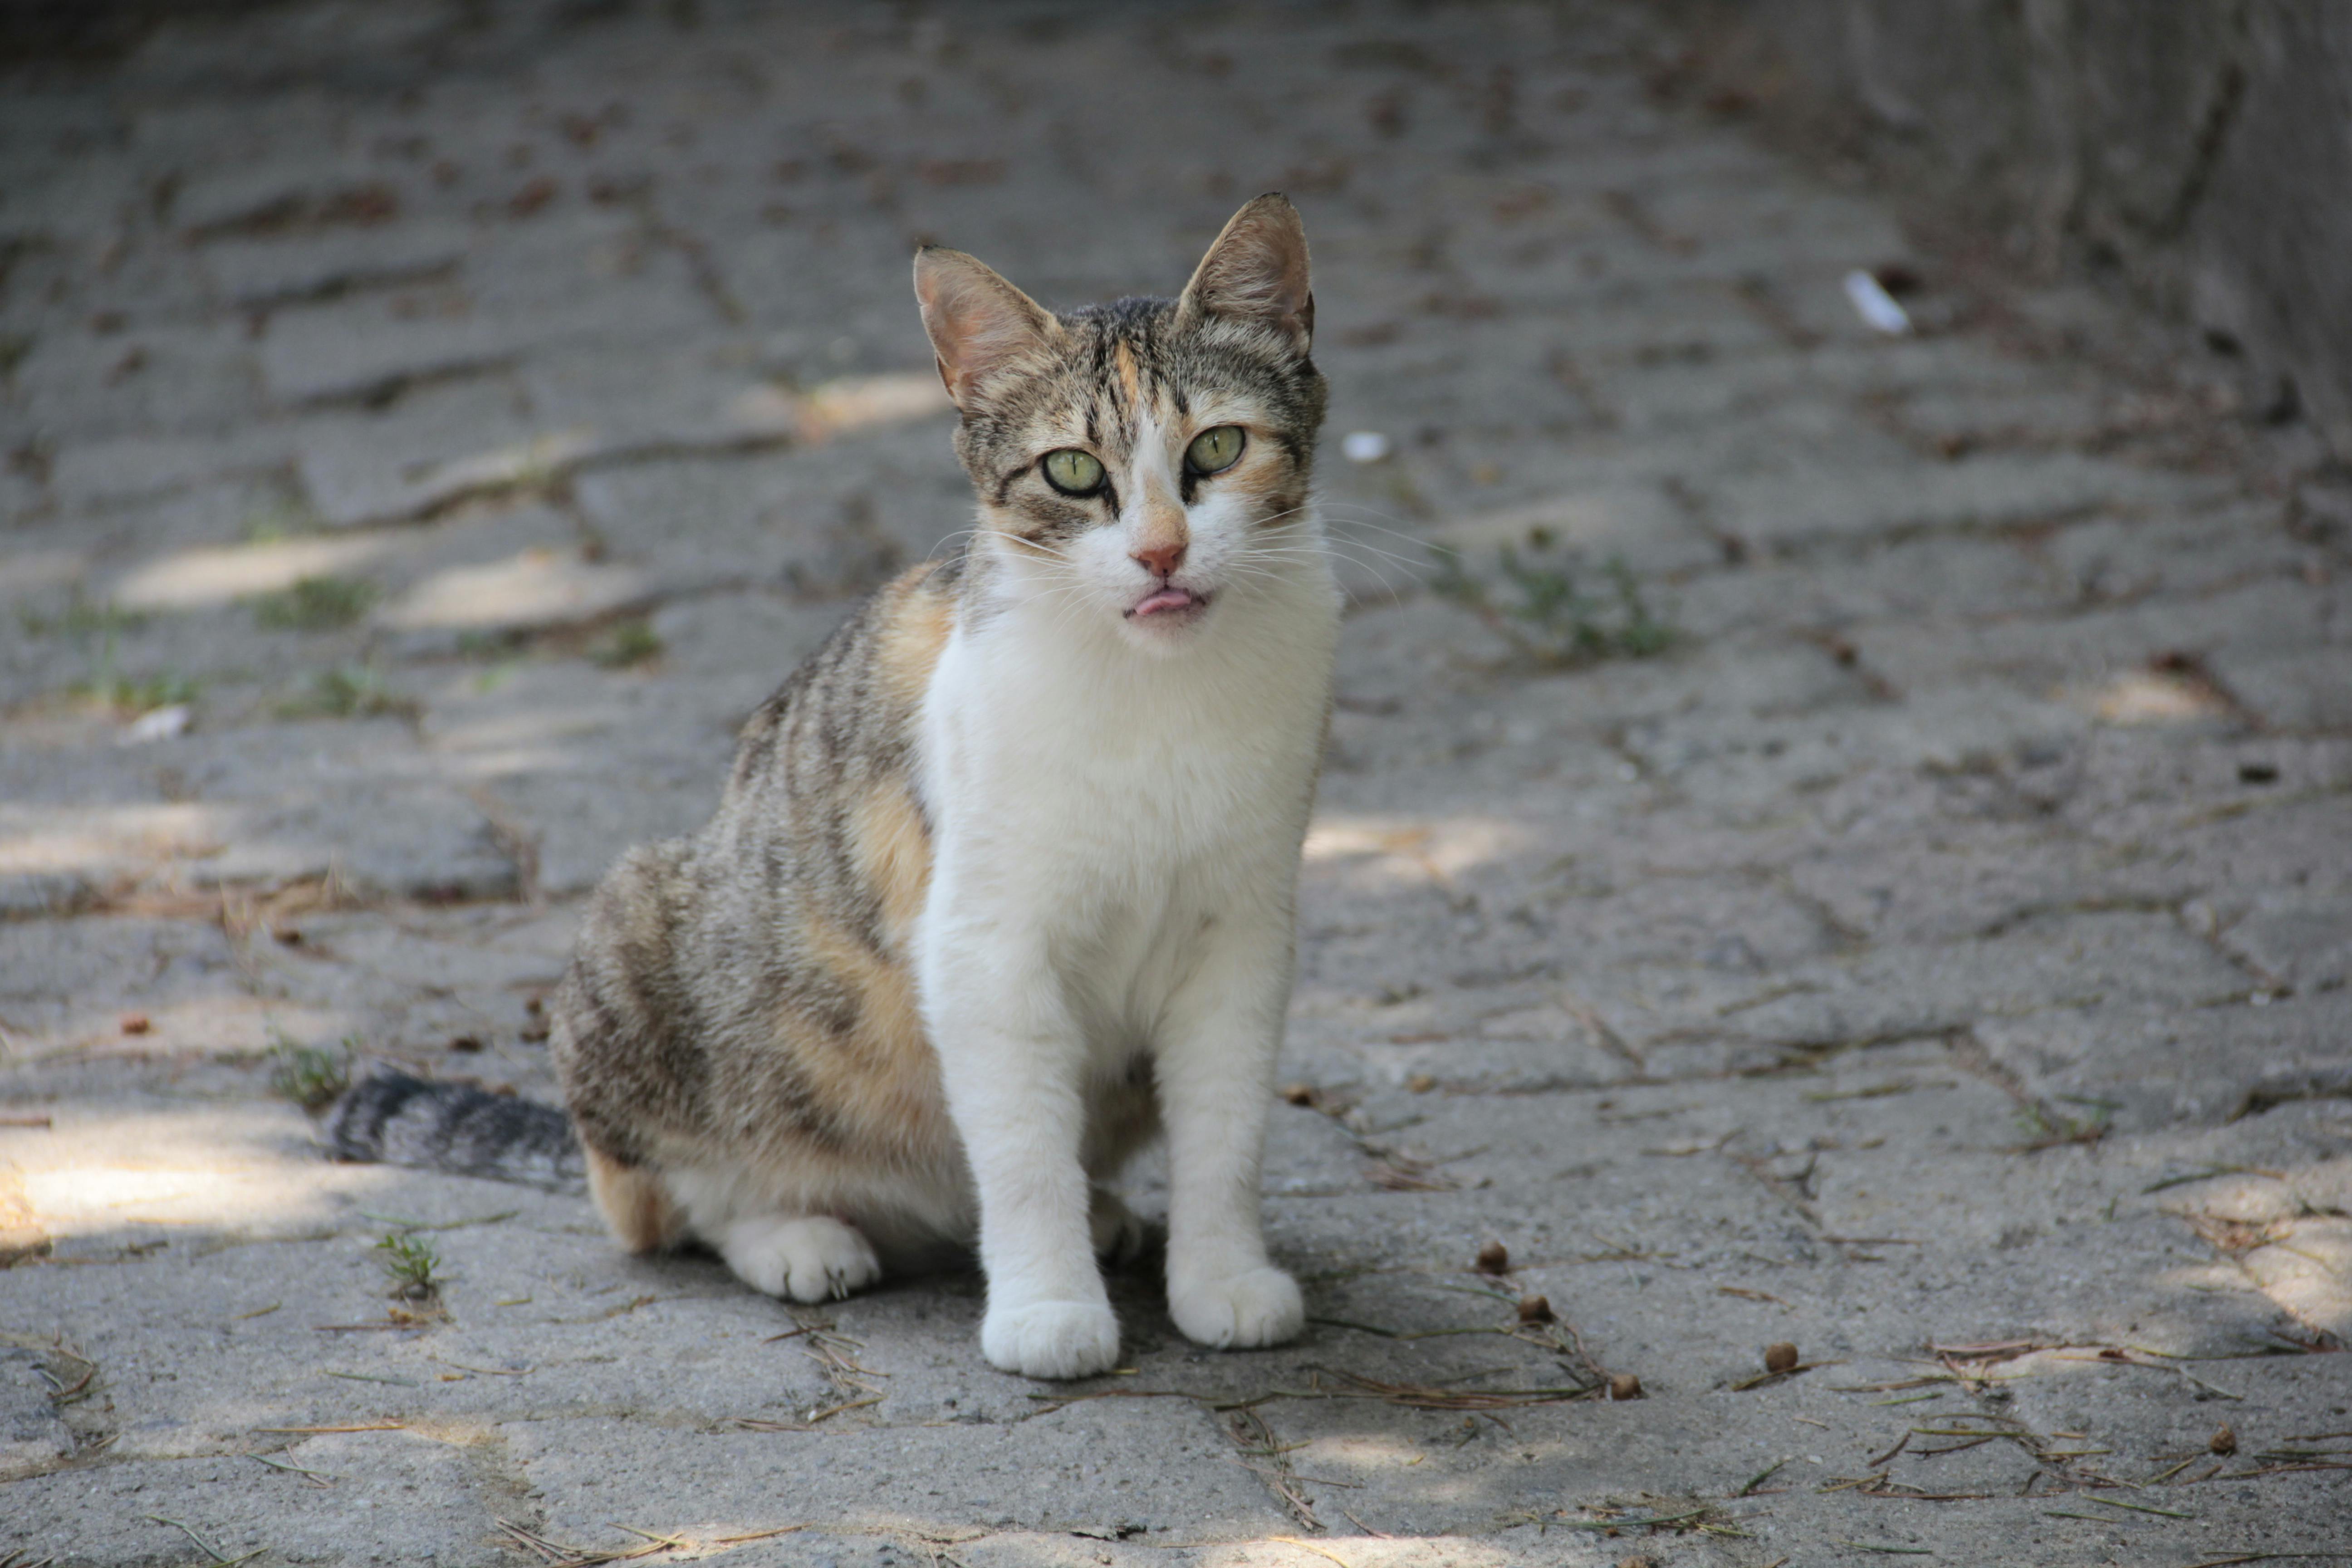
(539, 587)
(213, 575)
(860, 403)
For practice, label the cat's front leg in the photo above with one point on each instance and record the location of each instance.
(1012, 1060)
(1216, 1053)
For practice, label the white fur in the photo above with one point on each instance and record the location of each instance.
(1116, 808)
(812, 1258)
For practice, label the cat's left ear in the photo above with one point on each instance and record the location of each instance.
(1257, 272)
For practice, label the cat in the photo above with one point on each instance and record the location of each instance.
(1003, 883)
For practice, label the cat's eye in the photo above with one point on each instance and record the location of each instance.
(1072, 472)
(1212, 451)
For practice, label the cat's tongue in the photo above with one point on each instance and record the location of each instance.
(1163, 599)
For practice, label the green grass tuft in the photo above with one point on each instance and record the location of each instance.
(309, 1076)
(133, 697)
(411, 1261)
(1535, 601)
(314, 604)
(633, 642)
(345, 691)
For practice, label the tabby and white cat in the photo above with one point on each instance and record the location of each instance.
(1003, 879)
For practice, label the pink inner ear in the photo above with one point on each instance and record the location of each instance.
(976, 320)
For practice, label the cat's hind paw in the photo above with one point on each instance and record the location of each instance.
(809, 1257)
(1051, 1339)
(1119, 1234)
(1261, 1307)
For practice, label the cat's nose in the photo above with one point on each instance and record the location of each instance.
(1160, 560)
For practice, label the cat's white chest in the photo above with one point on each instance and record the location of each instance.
(1111, 806)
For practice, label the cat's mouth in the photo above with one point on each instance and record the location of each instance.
(1178, 604)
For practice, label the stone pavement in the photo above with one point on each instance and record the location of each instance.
(1921, 937)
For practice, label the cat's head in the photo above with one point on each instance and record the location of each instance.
(1141, 461)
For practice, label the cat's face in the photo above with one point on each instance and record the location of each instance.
(1139, 463)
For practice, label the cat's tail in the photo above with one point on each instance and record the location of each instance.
(394, 1118)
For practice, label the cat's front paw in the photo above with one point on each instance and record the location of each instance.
(1051, 1339)
(1261, 1307)
(810, 1257)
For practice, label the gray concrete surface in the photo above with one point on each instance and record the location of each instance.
(2190, 152)
(1933, 957)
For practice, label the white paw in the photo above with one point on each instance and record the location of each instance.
(814, 1258)
(1262, 1306)
(1051, 1339)
(1117, 1234)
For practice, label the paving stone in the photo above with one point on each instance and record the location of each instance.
(397, 1497)
(32, 1438)
(437, 444)
(1103, 1464)
(826, 522)
(587, 274)
(1788, 509)
(274, 806)
(268, 272)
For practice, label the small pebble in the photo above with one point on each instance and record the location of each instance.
(1625, 1385)
(1781, 1357)
(1535, 1309)
(135, 1023)
(1494, 1259)
(2223, 1441)
(1421, 1083)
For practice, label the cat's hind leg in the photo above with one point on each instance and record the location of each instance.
(637, 1205)
(802, 1258)
(1119, 1233)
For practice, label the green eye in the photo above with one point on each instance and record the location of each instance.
(1072, 472)
(1212, 451)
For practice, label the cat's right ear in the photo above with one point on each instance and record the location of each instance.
(978, 324)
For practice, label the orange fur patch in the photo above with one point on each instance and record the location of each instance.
(635, 1206)
(920, 616)
(882, 1079)
(1129, 382)
(894, 855)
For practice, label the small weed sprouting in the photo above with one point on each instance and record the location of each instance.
(277, 519)
(1545, 615)
(314, 604)
(411, 1261)
(344, 692)
(81, 618)
(135, 697)
(633, 642)
(309, 1076)
(2047, 1127)
(503, 644)
(107, 684)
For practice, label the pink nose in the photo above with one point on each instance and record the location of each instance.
(1160, 560)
